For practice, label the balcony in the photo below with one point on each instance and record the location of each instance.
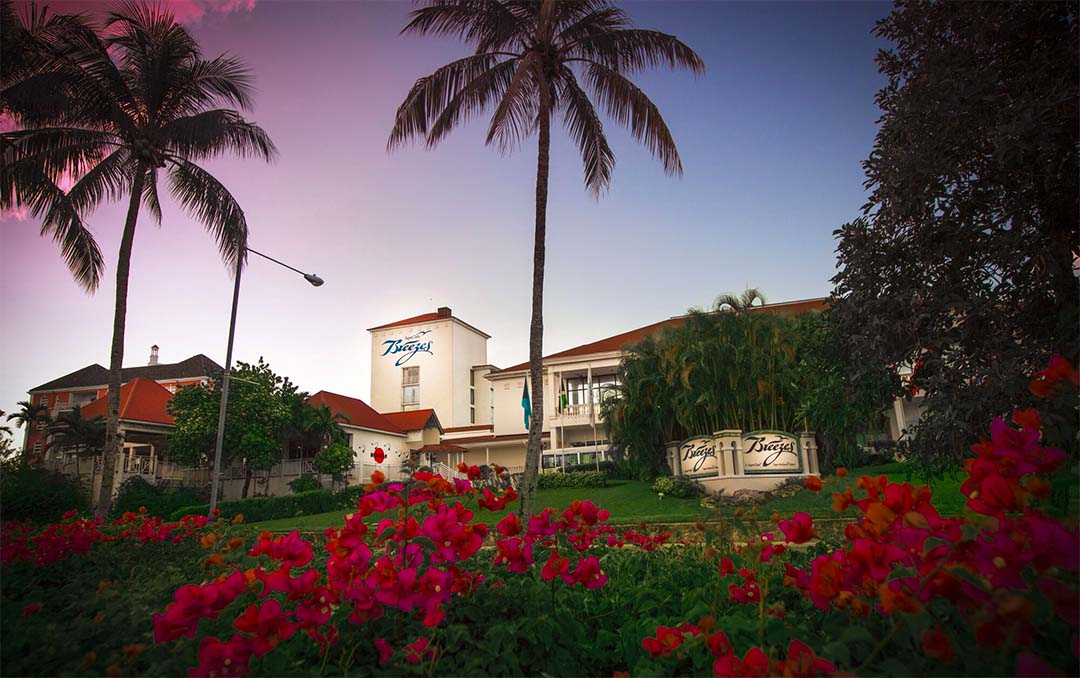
(576, 414)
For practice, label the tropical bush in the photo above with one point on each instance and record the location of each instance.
(305, 483)
(678, 486)
(614, 470)
(38, 494)
(136, 493)
(403, 587)
(269, 508)
(572, 479)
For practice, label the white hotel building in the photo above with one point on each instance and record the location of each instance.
(437, 362)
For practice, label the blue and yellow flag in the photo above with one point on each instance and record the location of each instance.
(526, 404)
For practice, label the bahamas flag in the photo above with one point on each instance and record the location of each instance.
(526, 404)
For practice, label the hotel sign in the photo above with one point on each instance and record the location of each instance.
(697, 457)
(770, 452)
(402, 350)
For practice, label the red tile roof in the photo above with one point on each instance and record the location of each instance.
(617, 342)
(414, 420)
(441, 314)
(416, 319)
(355, 412)
(140, 400)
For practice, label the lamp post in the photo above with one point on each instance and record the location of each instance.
(215, 477)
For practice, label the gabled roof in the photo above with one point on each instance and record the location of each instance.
(96, 375)
(355, 412)
(618, 341)
(441, 314)
(442, 447)
(140, 400)
(414, 420)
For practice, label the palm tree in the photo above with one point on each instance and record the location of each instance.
(740, 303)
(530, 59)
(141, 100)
(70, 431)
(28, 415)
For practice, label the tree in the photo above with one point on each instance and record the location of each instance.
(28, 415)
(717, 370)
(335, 460)
(530, 58)
(113, 112)
(740, 303)
(962, 266)
(256, 423)
(85, 437)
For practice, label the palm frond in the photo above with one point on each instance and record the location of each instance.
(58, 150)
(487, 24)
(210, 133)
(515, 116)
(630, 50)
(208, 200)
(628, 105)
(472, 99)
(150, 196)
(587, 131)
(431, 94)
(108, 179)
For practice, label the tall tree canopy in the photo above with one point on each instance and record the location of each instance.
(963, 264)
(534, 60)
(256, 426)
(113, 108)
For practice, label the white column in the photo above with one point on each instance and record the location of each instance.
(898, 414)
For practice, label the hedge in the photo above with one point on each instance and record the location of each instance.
(38, 494)
(678, 486)
(258, 509)
(136, 492)
(572, 479)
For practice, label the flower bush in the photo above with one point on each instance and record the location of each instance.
(413, 582)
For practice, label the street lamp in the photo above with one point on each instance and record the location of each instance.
(215, 477)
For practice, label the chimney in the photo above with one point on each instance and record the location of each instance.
(153, 355)
(444, 312)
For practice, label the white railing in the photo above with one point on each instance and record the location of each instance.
(138, 466)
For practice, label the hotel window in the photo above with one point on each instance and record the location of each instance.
(43, 401)
(37, 447)
(472, 415)
(410, 385)
(491, 395)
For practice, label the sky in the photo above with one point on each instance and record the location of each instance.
(772, 138)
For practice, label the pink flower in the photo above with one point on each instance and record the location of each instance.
(798, 530)
(385, 651)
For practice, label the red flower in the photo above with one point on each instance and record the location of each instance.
(814, 484)
(31, 609)
(385, 651)
(798, 530)
(937, 645)
(223, 659)
(418, 650)
(588, 573)
(556, 566)
(510, 525)
(268, 624)
(801, 661)
(1059, 370)
(291, 549)
(726, 566)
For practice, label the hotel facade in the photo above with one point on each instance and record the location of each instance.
(435, 400)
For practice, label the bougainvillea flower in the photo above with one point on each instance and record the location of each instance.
(937, 645)
(515, 553)
(556, 566)
(798, 530)
(814, 484)
(667, 640)
(385, 651)
(510, 526)
(841, 472)
(291, 549)
(588, 573)
(268, 624)
(417, 650)
(1030, 665)
(223, 659)
(31, 609)
(192, 603)
(754, 665)
(726, 566)
(1059, 370)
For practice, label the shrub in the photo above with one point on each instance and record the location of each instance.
(612, 469)
(305, 483)
(136, 492)
(571, 479)
(39, 495)
(678, 486)
(272, 508)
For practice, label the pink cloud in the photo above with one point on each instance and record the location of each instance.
(186, 11)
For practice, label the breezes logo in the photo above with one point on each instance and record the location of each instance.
(406, 348)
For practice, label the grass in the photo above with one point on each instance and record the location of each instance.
(632, 502)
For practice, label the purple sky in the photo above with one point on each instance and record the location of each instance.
(771, 140)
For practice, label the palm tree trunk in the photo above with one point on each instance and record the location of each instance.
(247, 482)
(536, 328)
(116, 356)
(93, 473)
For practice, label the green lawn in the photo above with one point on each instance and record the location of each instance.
(632, 502)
